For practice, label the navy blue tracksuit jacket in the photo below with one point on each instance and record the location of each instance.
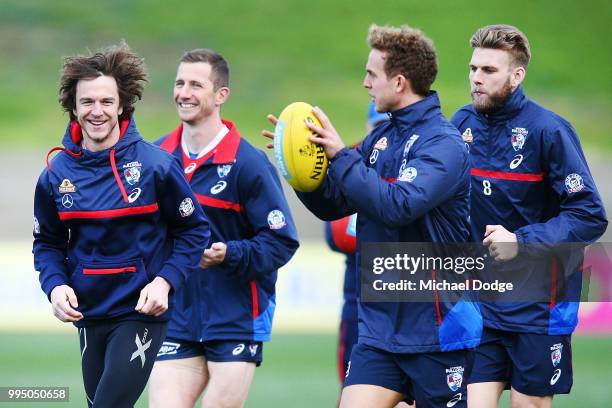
(529, 174)
(241, 193)
(107, 223)
(408, 182)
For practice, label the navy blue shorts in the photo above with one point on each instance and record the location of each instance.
(533, 364)
(428, 379)
(216, 350)
(347, 340)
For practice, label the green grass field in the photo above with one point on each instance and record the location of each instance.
(281, 52)
(298, 370)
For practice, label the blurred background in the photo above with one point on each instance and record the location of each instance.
(279, 52)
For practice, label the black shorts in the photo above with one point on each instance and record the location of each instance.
(215, 350)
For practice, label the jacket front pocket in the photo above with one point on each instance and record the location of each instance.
(108, 289)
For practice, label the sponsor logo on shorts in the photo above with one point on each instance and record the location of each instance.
(556, 355)
(276, 219)
(453, 401)
(238, 349)
(186, 207)
(253, 349)
(555, 377)
(454, 377)
(168, 348)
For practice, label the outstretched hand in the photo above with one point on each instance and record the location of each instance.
(270, 134)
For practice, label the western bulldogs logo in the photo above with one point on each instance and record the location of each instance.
(223, 170)
(408, 174)
(574, 183)
(454, 377)
(276, 219)
(518, 138)
(132, 175)
(556, 355)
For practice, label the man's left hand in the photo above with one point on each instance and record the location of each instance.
(502, 244)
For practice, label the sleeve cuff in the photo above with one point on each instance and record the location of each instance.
(233, 254)
(174, 277)
(52, 282)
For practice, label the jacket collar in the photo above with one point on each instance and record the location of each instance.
(416, 112)
(513, 105)
(224, 153)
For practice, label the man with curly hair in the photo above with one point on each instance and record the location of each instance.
(407, 182)
(117, 229)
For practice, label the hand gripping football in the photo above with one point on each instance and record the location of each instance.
(302, 162)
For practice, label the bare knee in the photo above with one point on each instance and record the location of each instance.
(520, 400)
(177, 383)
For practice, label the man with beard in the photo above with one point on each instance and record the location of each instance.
(531, 191)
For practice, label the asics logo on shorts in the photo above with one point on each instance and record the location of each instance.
(555, 377)
(238, 349)
(456, 398)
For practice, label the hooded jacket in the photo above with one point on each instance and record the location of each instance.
(107, 223)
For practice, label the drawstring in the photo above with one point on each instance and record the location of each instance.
(117, 179)
(73, 154)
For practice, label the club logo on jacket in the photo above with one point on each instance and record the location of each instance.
(223, 170)
(132, 172)
(276, 219)
(408, 174)
(518, 138)
(573, 183)
(454, 377)
(467, 136)
(381, 144)
(186, 207)
(555, 355)
(66, 187)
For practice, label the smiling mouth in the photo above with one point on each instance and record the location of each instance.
(186, 105)
(97, 123)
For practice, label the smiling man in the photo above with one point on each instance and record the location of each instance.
(116, 229)
(224, 313)
(531, 190)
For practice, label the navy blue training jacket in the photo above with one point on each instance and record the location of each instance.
(107, 223)
(408, 182)
(241, 193)
(529, 174)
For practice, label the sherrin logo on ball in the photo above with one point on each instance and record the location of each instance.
(302, 163)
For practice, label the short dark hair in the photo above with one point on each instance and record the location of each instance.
(409, 53)
(218, 65)
(504, 37)
(116, 61)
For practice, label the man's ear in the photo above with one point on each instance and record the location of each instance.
(402, 84)
(517, 76)
(221, 95)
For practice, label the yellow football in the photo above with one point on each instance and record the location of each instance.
(302, 162)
